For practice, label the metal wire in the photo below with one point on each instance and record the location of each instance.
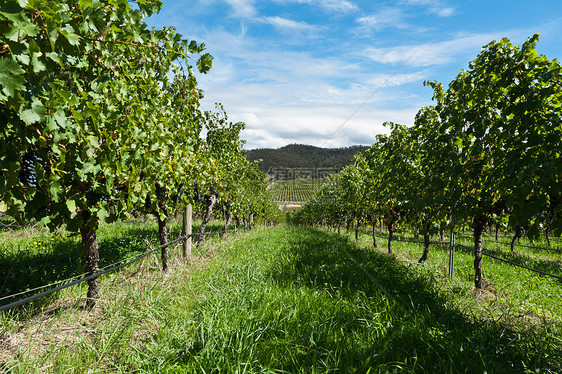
(524, 245)
(530, 246)
(489, 255)
(41, 287)
(62, 287)
(511, 262)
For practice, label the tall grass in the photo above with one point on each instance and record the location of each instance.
(281, 300)
(514, 295)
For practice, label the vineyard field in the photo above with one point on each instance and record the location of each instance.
(334, 302)
(295, 191)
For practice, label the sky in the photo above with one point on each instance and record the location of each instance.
(330, 73)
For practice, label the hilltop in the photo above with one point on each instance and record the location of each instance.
(303, 156)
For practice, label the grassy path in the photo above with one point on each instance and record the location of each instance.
(278, 300)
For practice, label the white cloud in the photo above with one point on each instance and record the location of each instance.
(329, 5)
(437, 7)
(300, 82)
(310, 111)
(288, 96)
(285, 23)
(430, 54)
(393, 80)
(274, 66)
(318, 125)
(400, 16)
(337, 5)
(243, 8)
(387, 17)
(396, 17)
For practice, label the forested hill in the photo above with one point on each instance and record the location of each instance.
(303, 156)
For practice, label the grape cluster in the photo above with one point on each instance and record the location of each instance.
(28, 173)
(105, 198)
(159, 191)
(94, 197)
(196, 196)
(178, 193)
(212, 192)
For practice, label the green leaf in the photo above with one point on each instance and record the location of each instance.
(102, 213)
(205, 63)
(88, 168)
(71, 205)
(34, 114)
(55, 57)
(24, 59)
(68, 32)
(10, 78)
(44, 221)
(37, 65)
(55, 190)
(20, 26)
(60, 119)
(77, 116)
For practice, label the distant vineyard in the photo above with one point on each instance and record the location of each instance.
(295, 191)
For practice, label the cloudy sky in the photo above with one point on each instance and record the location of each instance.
(330, 72)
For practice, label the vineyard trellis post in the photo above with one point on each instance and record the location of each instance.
(187, 230)
(452, 255)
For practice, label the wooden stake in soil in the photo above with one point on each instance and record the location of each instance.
(187, 227)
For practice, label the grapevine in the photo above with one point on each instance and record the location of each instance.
(481, 156)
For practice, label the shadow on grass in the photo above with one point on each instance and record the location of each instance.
(424, 335)
(523, 256)
(60, 260)
(548, 266)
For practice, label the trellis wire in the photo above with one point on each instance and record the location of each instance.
(489, 255)
(530, 246)
(511, 262)
(73, 283)
(559, 250)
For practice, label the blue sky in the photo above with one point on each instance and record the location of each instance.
(331, 72)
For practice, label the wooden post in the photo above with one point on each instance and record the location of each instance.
(452, 251)
(187, 227)
(452, 256)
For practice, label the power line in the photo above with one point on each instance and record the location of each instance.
(367, 100)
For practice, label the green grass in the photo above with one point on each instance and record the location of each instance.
(288, 300)
(515, 295)
(33, 257)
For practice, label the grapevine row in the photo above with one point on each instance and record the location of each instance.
(293, 192)
(487, 153)
(100, 117)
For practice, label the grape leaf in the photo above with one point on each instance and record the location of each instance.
(34, 114)
(11, 80)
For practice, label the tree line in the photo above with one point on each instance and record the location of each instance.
(299, 156)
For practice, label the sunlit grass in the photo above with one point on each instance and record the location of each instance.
(511, 294)
(33, 257)
(289, 300)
